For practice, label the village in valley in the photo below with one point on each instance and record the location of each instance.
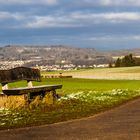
(56, 58)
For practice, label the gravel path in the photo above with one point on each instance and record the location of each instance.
(121, 123)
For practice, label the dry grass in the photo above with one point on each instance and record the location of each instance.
(130, 73)
(12, 101)
(48, 100)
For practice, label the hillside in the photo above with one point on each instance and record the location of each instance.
(54, 55)
(135, 52)
(58, 54)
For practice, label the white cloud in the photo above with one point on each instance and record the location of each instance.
(28, 2)
(4, 15)
(8, 15)
(51, 21)
(121, 17)
(110, 2)
(52, 2)
(75, 19)
(119, 2)
(135, 37)
(82, 19)
(97, 38)
(72, 2)
(115, 38)
(105, 2)
(107, 17)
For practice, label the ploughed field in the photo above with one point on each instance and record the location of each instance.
(78, 98)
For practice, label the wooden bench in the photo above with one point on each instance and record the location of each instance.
(28, 74)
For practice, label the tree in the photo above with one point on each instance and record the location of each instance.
(126, 61)
(110, 65)
(118, 62)
(132, 60)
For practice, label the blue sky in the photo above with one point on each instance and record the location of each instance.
(100, 24)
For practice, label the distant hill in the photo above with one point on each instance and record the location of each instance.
(57, 54)
(135, 52)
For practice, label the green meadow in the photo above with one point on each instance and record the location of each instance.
(71, 85)
(79, 98)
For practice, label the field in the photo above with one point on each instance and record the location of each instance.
(71, 85)
(128, 73)
(79, 98)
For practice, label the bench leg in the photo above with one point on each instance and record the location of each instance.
(53, 92)
(27, 98)
(50, 97)
(55, 96)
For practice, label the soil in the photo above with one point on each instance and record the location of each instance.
(121, 123)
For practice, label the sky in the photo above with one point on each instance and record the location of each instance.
(100, 24)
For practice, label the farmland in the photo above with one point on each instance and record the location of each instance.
(79, 97)
(128, 73)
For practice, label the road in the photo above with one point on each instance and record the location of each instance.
(121, 123)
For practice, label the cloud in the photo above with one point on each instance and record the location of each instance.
(28, 2)
(51, 21)
(10, 16)
(74, 19)
(97, 38)
(94, 3)
(114, 38)
(77, 19)
(119, 2)
(135, 37)
(108, 17)
(4, 15)
(106, 2)
(135, 3)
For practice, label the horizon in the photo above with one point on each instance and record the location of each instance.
(99, 24)
(66, 46)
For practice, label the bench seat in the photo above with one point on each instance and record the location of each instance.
(34, 89)
(30, 92)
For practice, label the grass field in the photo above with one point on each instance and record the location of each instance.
(71, 85)
(132, 73)
(80, 98)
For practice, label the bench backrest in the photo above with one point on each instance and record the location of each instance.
(19, 73)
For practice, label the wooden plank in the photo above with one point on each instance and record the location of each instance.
(19, 73)
(35, 89)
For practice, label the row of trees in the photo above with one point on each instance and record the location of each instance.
(126, 61)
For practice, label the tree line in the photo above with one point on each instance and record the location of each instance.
(127, 61)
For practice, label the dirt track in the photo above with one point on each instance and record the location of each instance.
(122, 123)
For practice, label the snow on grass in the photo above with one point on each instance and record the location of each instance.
(100, 96)
(74, 105)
